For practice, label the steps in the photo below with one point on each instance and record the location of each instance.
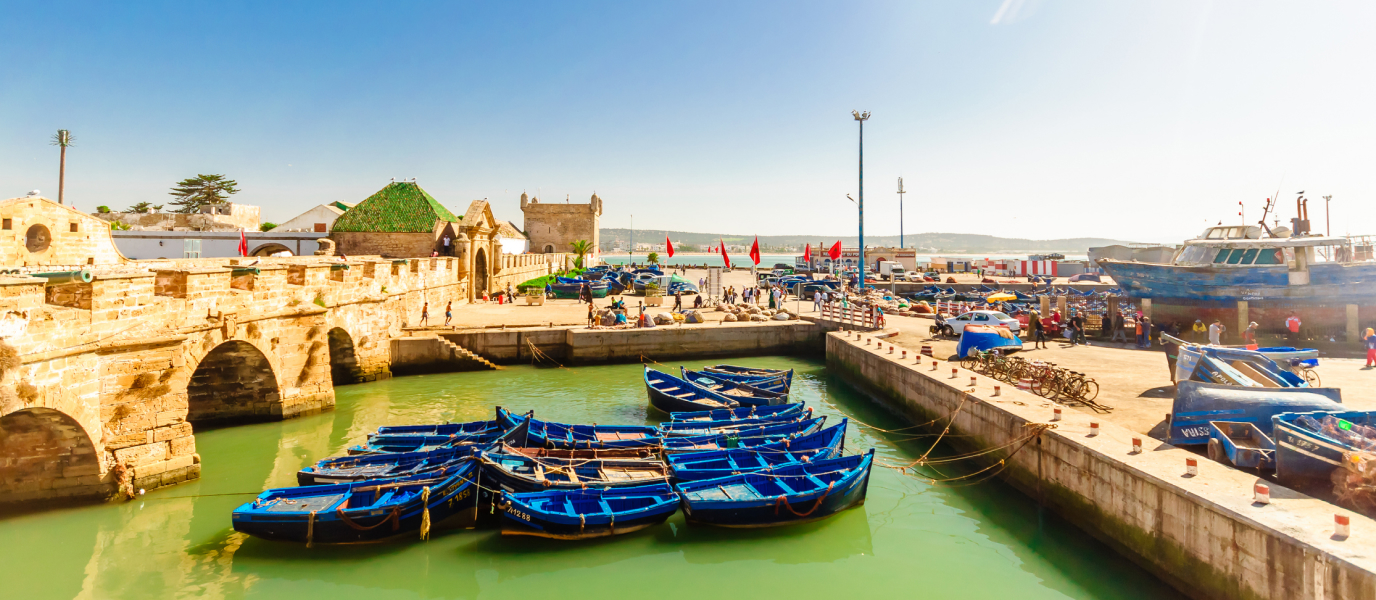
(469, 354)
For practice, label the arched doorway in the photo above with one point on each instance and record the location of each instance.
(270, 249)
(234, 382)
(343, 360)
(479, 272)
(44, 453)
(549, 248)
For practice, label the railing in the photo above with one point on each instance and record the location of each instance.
(852, 316)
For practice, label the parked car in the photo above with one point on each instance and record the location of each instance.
(956, 325)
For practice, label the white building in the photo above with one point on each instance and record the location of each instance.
(513, 241)
(319, 219)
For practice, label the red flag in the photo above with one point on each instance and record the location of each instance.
(755, 250)
(243, 243)
(835, 252)
(669, 245)
(807, 254)
(726, 259)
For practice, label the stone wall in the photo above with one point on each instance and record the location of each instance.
(552, 227)
(1202, 534)
(38, 232)
(386, 245)
(228, 217)
(586, 346)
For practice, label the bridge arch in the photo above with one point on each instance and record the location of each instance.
(233, 382)
(45, 453)
(343, 358)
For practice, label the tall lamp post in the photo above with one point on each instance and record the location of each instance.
(861, 117)
(900, 212)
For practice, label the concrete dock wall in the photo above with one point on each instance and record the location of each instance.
(1202, 534)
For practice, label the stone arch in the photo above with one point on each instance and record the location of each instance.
(234, 382)
(480, 272)
(343, 358)
(549, 248)
(269, 249)
(45, 453)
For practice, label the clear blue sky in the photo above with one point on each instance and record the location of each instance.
(1141, 121)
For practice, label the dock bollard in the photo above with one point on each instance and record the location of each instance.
(996, 390)
(1261, 493)
(1056, 415)
(1136, 445)
(1191, 467)
(972, 381)
(868, 340)
(1093, 428)
(890, 348)
(953, 372)
(905, 354)
(1342, 526)
(934, 364)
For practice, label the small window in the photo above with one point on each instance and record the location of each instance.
(1248, 256)
(8, 224)
(1222, 256)
(1270, 256)
(320, 227)
(71, 227)
(1236, 256)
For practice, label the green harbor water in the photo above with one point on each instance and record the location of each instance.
(909, 539)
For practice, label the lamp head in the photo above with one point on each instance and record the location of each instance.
(860, 116)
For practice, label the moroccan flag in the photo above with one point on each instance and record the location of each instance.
(835, 251)
(807, 254)
(669, 246)
(726, 259)
(243, 243)
(755, 250)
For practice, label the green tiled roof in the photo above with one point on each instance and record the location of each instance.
(401, 207)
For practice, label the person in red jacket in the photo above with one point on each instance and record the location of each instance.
(1292, 325)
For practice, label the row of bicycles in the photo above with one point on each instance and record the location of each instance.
(1045, 378)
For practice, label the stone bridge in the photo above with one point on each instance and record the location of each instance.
(106, 381)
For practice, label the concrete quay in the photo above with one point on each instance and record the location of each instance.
(1203, 534)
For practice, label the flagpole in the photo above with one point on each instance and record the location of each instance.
(862, 117)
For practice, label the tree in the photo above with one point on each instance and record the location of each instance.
(194, 192)
(62, 139)
(581, 248)
(141, 207)
(653, 258)
(266, 226)
(102, 209)
(119, 226)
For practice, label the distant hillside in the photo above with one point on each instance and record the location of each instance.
(955, 243)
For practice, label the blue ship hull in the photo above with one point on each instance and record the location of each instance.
(1302, 454)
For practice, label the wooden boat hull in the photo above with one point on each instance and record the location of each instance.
(744, 412)
(546, 434)
(1305, 455)
(522, 514)
(712, 464)
(745, 438)
(500, 472)
(741, 392)
(451, 497)
(349, 469)
(773, 510)
(683, 429)
(669, 395)
(1197, 403)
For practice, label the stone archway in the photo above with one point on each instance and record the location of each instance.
(270, 249)
(479, 272)
(234, 382)
(45, 453)
(343, 358)
(549, 248)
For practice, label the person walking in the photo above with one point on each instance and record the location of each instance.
(590, 315)
(425, 314)
(1216, 333)
(1140, 322)
(1370, 339)
(1077, 333)
(448, 313)
(817, 298)
(510, 296)
(1120, 331)
(1292, 325)
(678, 300)
(1198, 331)
(1249, 336)
(1038, 330)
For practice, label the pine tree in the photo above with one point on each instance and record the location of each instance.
(194, 192)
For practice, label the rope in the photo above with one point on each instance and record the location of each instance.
(425, 513)
(923, 458)
(310, 529)
(393, 517)
(784, 501)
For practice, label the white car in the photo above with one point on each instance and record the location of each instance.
(955, 326)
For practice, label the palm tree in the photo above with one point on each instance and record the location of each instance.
(581, 248)
(653, 258)
(62, 139)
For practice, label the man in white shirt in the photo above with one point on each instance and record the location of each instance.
(1216, 333)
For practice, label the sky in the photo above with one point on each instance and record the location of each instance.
(1142, 121)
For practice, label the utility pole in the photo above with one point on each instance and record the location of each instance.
(900, 212)
(62, 139)
(630, 252)
(1327, 221)
(861, 118)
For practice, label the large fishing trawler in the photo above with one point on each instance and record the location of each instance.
(1243, 273)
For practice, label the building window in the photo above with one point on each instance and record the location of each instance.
(320, 227)
(8, 224)
(72, 227)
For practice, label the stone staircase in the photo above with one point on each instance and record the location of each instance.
(469, 354)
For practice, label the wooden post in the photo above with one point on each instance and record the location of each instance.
(1242, 320)
(1060, 306)
(1352, 334)
(1045, 305)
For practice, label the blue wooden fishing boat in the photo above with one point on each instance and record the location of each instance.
(562, 435)
(583, 514)
(744, 412)
(522, 473)
(741, 392)
(347, 469)
(470, 428)
(671, 394)
(1311, 445)
(778, 384)
(421, 443)
(1197, 403)
(790, 494)
(984, 338)
(1232, 366)
(681, 428)
(363, 511)
(744, 438)
(694, 466)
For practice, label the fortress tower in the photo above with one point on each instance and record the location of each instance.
(553, 227)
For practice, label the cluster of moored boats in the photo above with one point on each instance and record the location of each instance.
(744, 456)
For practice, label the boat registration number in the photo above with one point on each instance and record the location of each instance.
(1192, 432)
(1251, 294)
(518, 514)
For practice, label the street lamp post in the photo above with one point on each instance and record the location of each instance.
(861, 117)
(900, 212)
